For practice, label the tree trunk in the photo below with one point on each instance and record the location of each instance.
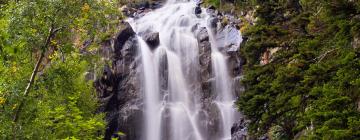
(52, 33)
(28, 87)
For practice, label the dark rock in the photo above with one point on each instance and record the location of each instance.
(204, 50)
(202, 34)
(211, 10)
(239, 130)
(210, 120)
(163, 71)
(152, 39)
(213, 22)
(118, 88)
(87, 43)
(155, 5)
(211, 7)
(143, 5)
(122, 37)
(106, 49)
(206, 86)
(197, 10)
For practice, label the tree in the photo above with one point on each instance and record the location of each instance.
(34, 35)
(310, 89)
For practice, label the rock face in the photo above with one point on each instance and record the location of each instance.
(119, 87)
(239, 130)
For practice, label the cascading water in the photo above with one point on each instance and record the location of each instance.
(170, 76)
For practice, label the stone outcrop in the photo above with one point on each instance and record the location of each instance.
(118, 87)
(152, 39)
(204, 45)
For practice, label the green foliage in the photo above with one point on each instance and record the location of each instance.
(310, 89)
(61, 103)
(61, 106)
(215, 3)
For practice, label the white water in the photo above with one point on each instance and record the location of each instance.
(171, 113)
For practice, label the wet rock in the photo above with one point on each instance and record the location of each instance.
(122, 37)
(163, 72)
(239, 130)
(210, 120)
(130, 121)
(206, 86)
(197, 10)
(155, 5)
(213, 21)
(142, 5)
(202, 34)
(229, 38)
(152, 39)
(205, 57)
(239, 89)
(212, 11)
(118, 88)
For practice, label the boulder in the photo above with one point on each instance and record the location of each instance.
(122, 37)
(229, 38)
(197, 10)
(212, 10)
(202, 34)
(213, 22)
(152, 39)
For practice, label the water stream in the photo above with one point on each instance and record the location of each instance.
(170, 76)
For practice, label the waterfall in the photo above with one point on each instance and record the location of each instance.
(171, 81)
